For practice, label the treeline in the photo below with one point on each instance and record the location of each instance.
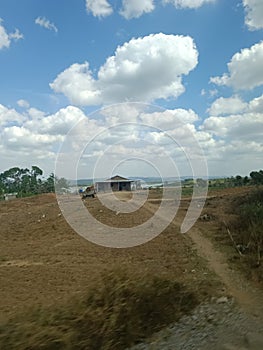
(254, 178)
(25, 182)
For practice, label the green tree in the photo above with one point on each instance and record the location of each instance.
(257, 177)
(49, 184)
(61, 184)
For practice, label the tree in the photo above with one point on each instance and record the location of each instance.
(61, 184)
(49, 184)
(238, 180)
(35, 183)
(257, 177)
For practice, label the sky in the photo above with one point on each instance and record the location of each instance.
(136, 87)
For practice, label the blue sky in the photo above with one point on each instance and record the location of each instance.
(199, 60)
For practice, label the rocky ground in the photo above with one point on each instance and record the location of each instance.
(220, 324)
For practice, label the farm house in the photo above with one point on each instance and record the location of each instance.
(115, 183)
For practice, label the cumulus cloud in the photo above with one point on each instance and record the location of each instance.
(45, 23)
(77, 83)
(230, 105)
(256, 105)
(35, 113)
(9, 116)
(247, 126)
(239, 76)
(142, 69)
(99, 8)
(35, 133)
(35, 137)
(135, 8)
(56, 124)
(23, 103)
(191, 4)
(21, 137)
(5, 38)
(234, 135)
(254, 14)
(169, 119)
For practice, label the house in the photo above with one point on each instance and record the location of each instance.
(9, 196)
(115, 183)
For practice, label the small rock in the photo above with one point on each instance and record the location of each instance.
(210, 318)
(222, 300)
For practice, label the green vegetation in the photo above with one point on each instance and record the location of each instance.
(119, 313)
(248, 225)
(255, 178)
(25, 182)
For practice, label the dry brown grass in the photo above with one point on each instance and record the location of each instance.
(121, 312)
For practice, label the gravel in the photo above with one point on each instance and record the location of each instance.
(219, 324)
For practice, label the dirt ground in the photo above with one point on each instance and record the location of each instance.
(44, 262)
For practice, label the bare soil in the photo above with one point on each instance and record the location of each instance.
(44, 262)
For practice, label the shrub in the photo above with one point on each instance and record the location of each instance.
(249, 223)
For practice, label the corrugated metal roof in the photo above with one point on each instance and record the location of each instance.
(116, 178)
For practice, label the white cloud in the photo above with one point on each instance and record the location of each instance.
(254, 14)
(231, 105)
(235, 138)
(23, 138)
(57, 124)
(191, 4)
(143, 69)
(77, 83)
(169, 119)
(246, 127)
(5, 38)
(240, 76)
(99, 8)
(16, 35)
(8, 116)
(23, 103)
(135, 8)
(34, 138)
(256, 105)
(35, 113)
(45, 23)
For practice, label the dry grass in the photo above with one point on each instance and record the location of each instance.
(116, 314)
(246, 228)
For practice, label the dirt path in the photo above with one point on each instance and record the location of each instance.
(249, 298)
(225, 326)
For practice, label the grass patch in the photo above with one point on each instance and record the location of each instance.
(120, 312)
(247, 227)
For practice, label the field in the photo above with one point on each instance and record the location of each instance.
(45, 265)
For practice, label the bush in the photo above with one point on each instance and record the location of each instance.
(249, 223)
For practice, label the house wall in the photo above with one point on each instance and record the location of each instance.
(113, 186)
(103, 187)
